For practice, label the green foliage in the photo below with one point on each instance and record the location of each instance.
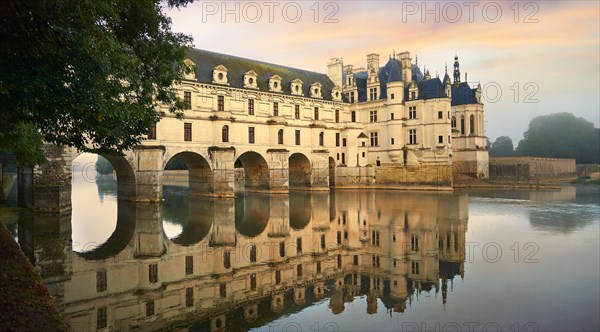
(103, 166)
(88, 74)
(561, 135)
(502, 146)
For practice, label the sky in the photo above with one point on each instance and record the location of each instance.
(530, 57)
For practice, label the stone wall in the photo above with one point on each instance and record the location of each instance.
(393, 175)
(524, 169)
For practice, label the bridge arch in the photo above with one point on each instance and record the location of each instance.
(192, 213)
(123, 171)
(255, 170)
(299, 170)
(200, 175)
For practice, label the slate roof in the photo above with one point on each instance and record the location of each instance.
(392, 72)
(237, 66)
(462, 94)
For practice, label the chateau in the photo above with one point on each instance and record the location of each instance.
(261, 127)
(383, 125)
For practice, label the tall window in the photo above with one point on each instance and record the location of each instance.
(297, 111)
(251, 135)
(189, 297)
(299, 270)
(299, 245)
(337, 115)
(462, 124)
(152, 132)
(189, 265)
(101, 318)
(250, 106)
(414, 243)
(187, 132)
(253, 253)
(373, 116)
(352, 97)
(440, 139)
(373, 94)
(412, 112)
(223, 289)
(321, 139)
(275, 108)
(280, 136)
(282, 249)
(316, 113)
(100, 280)
(277, 277)
(412, 136)
(225, 133)
(440, 115)
(337, 139)
(414, 267)
(472, 124)
(353, 116)
(226, 259)
(374, 138)
(343, 142)
(153, 273)
(187, 99)
(253, 281)
(221, 103)
(149, 308)
(297, 136)
(453, 122)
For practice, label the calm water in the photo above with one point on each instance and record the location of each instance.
(338, 261)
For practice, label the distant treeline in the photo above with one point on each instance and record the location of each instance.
(558, 135)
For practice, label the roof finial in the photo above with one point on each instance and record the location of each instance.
(417, 60)
(446, 68)
(466, 78)
(394, 53)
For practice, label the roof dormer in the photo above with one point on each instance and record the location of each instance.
(296, 87)
(275, 83)
(189, 70)
(250, 80)
(336, 93)
(220, 75)
(315, 90)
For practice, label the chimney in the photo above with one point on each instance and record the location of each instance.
(334, 71)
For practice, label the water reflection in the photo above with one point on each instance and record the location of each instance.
(344, 260)
(244, 262)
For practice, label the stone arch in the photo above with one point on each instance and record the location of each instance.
(256, 170)
(123, 170)
(200, 175)
(252, 213)
(300, 170)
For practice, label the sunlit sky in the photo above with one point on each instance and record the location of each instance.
(532, 58)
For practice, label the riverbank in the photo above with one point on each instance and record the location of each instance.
(25, 303)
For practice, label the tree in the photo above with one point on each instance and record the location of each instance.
(561, 135)
(502, 146)
(88, 74)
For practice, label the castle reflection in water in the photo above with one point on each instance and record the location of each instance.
(244, 262)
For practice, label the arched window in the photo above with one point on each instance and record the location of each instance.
(462, 124)
(225, 133)
(453, 122)
(321, 139)
(472, 124)
(280, 136)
